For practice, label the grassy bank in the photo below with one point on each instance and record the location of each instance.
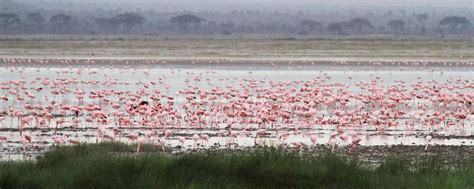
(114, 166)
(205, 48)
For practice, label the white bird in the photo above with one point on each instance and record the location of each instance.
(428, 140)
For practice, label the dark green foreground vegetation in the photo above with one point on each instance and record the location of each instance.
(113, 166)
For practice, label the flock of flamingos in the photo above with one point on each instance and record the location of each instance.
(46, 102)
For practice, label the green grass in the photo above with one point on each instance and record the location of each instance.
(115, 166)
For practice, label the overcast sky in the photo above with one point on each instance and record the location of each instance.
(305, 5)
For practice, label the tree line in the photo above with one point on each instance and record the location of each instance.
(130, 22)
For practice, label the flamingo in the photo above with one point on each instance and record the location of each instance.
(243, 105)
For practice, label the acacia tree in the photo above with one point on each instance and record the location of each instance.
(309, 25)
(107, 23)
(60, 20)
(360, 23)
(421, 18)
(185, 20)
(8, 19)
(129, 20)
(456, 23)
(335, 28)
(347, 26)
(397, 25)
(226, 27)
(36, 19)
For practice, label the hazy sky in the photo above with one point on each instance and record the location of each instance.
(305, 5)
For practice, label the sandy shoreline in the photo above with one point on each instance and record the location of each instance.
(118, 60)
